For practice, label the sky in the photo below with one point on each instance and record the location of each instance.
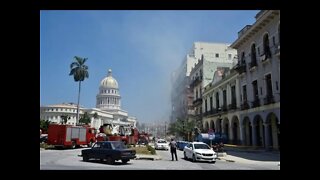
(142, 48)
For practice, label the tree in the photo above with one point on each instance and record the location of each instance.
(44, 124)
(64, 119)
(181, 127)
(79, 71)
(95, 115)
(85, 119)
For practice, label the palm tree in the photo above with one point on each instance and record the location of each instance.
(79, 71)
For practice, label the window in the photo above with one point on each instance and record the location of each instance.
(206, 105)
(224, 98)
(217, 55)
(255, 90)
(217, 100)
(274, 40)
(233, 94)
(229, 56)
(243, 61)
(244, 88)
(253, 55)
(268, 85)
(277, 86)
(266, 46)
(211, 103)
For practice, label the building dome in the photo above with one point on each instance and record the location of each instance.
(109, 81)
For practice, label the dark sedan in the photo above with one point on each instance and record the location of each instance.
(109, 150)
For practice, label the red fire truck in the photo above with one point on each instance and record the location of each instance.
(70, 136)
(109, 133)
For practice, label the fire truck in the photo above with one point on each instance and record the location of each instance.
(108, 132)
(70, 136)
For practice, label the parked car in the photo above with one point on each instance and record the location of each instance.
(161, 144)
(199, 151)
(182, 144)
(43, 138)
(109, 150)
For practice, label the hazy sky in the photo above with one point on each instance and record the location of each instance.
(141, 47)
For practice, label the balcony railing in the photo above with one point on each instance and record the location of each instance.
(196, 82)
(244, 106)
(197, 101)
(255, 103)
(268, 99)
(211, 112)
(253, 64)
(240, 67)
(224, 108)
(232, 106)
(265, 56)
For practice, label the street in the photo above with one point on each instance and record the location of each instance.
(69, 160)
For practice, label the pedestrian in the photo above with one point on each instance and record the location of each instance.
(173, 149)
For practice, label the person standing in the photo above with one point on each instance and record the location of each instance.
(173, 149)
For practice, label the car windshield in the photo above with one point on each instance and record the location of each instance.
(201, 146)
(118, 145)
(162, 142)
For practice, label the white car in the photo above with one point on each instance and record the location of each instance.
(161, 144)
(199, 151)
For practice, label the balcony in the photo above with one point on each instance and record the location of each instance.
(268, 99)
(232, 106)
(244, 106)
(196, 82)
(265, 57)
(211, 112)
(240, 67)
(255, 103)
(197, 101)
(224, 108)
(253, 64)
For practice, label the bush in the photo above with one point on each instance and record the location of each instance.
(151, 149)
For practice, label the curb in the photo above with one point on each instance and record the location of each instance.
(147, 158)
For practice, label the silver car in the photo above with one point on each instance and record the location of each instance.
(199, 151)
(161, 144)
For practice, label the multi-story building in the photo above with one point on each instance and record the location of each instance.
(213, 56)
(258, 47)
(252, 116)
(222, 100)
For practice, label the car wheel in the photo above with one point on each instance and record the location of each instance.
(124, 161)
(110, 160)
(194, 158)
(184, 155)
(85, 158)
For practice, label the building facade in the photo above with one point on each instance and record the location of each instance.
(211, 57)
(245, 104)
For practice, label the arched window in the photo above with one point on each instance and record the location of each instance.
(266, 46)
(253, 55)
(243, 61)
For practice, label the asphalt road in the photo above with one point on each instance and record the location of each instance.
(69, 160)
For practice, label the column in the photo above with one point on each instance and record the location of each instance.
(274, 136)
(267, 135)
(242, 134)
(238, 92)
(231, 137)
(254, 135)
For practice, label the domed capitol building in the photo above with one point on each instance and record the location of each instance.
(108, 108)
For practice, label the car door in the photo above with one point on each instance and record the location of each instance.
(189, 151)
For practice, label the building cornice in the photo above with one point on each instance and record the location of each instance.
(262, 21)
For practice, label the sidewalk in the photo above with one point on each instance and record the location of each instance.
(246, 154)
(147, 157)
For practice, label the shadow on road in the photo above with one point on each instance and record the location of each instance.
(256, 156)
(116, 163)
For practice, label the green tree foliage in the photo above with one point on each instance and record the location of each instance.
(181, 128)
(85, 119)
(44, 124)
(79, 71)
(64, 119)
